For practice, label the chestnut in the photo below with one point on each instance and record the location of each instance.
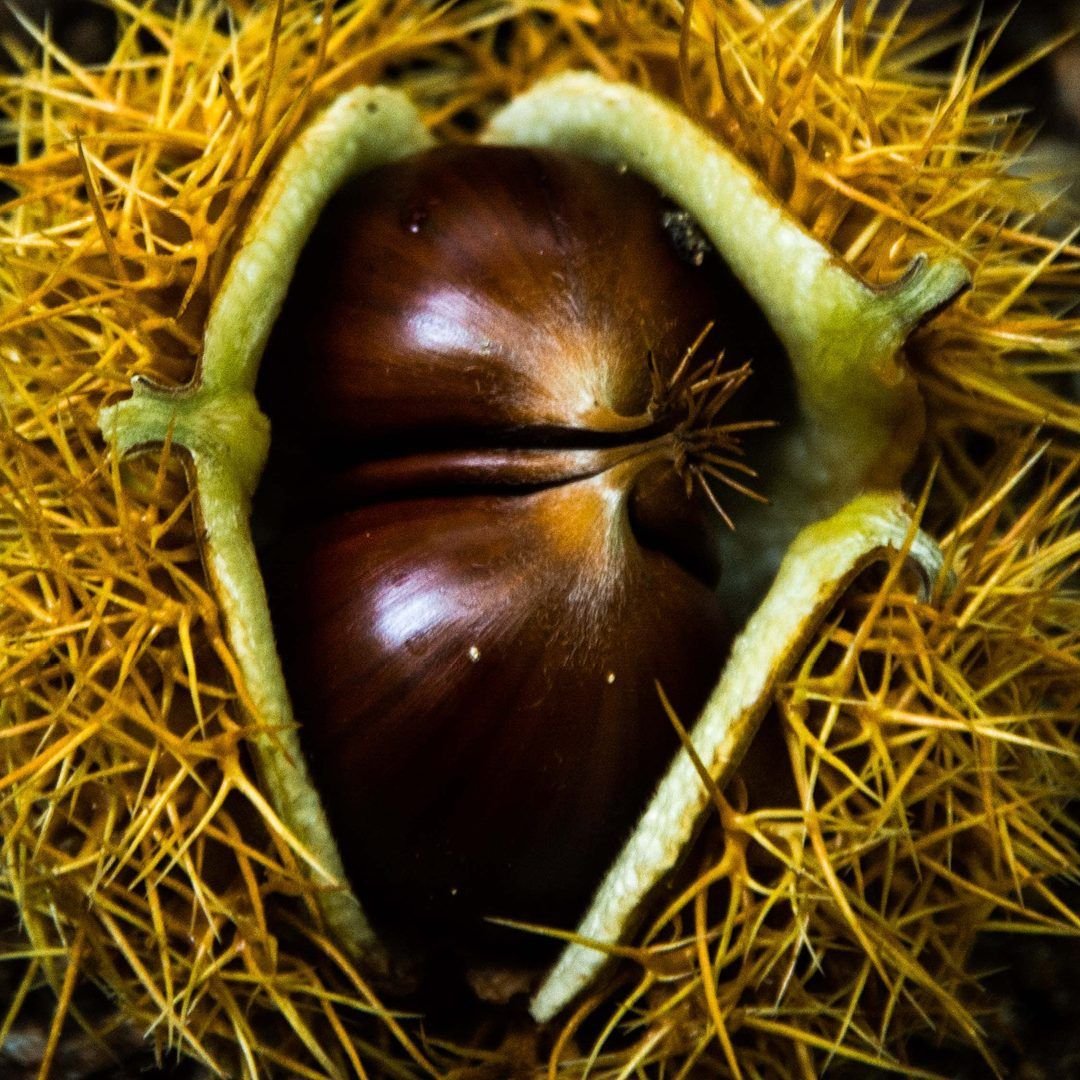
(501, 395)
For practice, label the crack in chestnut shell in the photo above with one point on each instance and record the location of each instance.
(479, 558)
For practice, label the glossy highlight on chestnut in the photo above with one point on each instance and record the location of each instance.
(506, 406)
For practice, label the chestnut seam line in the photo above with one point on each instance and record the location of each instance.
(527, 470)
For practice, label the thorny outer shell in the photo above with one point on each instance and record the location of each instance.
(605, 121)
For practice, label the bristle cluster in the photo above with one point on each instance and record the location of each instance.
(705, 450)
(928, 747)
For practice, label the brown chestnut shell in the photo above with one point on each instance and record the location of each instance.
(471, 386)
(475, 677)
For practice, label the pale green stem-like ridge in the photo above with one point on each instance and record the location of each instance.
(819, 564)
(217, 420)
(842, 336)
